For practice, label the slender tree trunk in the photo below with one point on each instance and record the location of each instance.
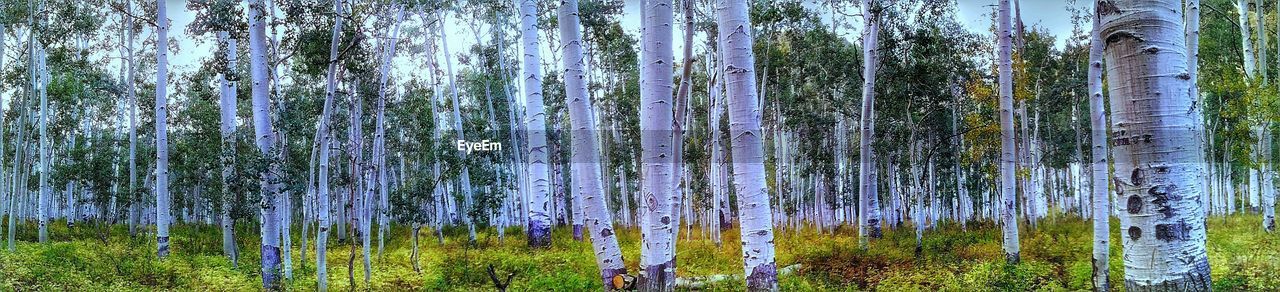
(322, 184)
(465, 177)
(747, 147)
(869, 219)
(1008, 157)
(657, 266)
(266, 142)
(228, 116)
(163, 209)
(380, 135)
(681, 107)
(6, 207)
(1163, 226)
(1101, 168)
(1261, 17)
(1242, 7)
(586, 154)
(539, 224)
(45, 192)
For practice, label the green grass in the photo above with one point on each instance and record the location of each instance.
(1056, 257)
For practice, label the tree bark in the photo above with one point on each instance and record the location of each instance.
(586, 154)
(656, 127)
(747, 147)
(265, 138)
(1008, 156)
(1162, 225)
(868, 210)
(163, 215)
(539, 224)
(1101, 168)
(228, 117)
(322, 184)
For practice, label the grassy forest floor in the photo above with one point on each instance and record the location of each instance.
(1056, 257)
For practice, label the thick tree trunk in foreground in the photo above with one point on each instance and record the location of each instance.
(586, 152)
(747, 147)
(163, 215)
(539, 225)
(1008, 156)
(1100, 169)
(1163, 228)
(265, 138)
(868, 203)
(657, 270)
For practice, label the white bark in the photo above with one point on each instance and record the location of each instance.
(1008, 157)
(465, 177)
(586, 154)
(228, 119)
(1099, 178)
(657, 266)
(265, 138)
(539, 224)
(163, 215)
(39, 83)
(1163, 228)
(1242, 7)
(380, 133)
(747, 146)
(322, 185)
(868, 211)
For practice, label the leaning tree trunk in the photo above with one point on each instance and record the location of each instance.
(586, 152)
(1008, 157)
(1163, 228)
(228, 116)
(868, 210)
(322, 182)
(464, 177)
(1101, 169)
(657, 270)
(380, 133)
(265, 138)
(747, 147)
(539, 226)
(163, 215)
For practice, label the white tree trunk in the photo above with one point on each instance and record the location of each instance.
(1163, 228)
(228, 117)
(380, 133)
(539, 225)
(1099, 178)
(1242, 7)
(465, 176)
(586, 154)
(657, 268)
(747, 146)
(39, 84)
(162, 133)
(265, 138)
(1008, 157)
(868, 211)
(322, 184)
